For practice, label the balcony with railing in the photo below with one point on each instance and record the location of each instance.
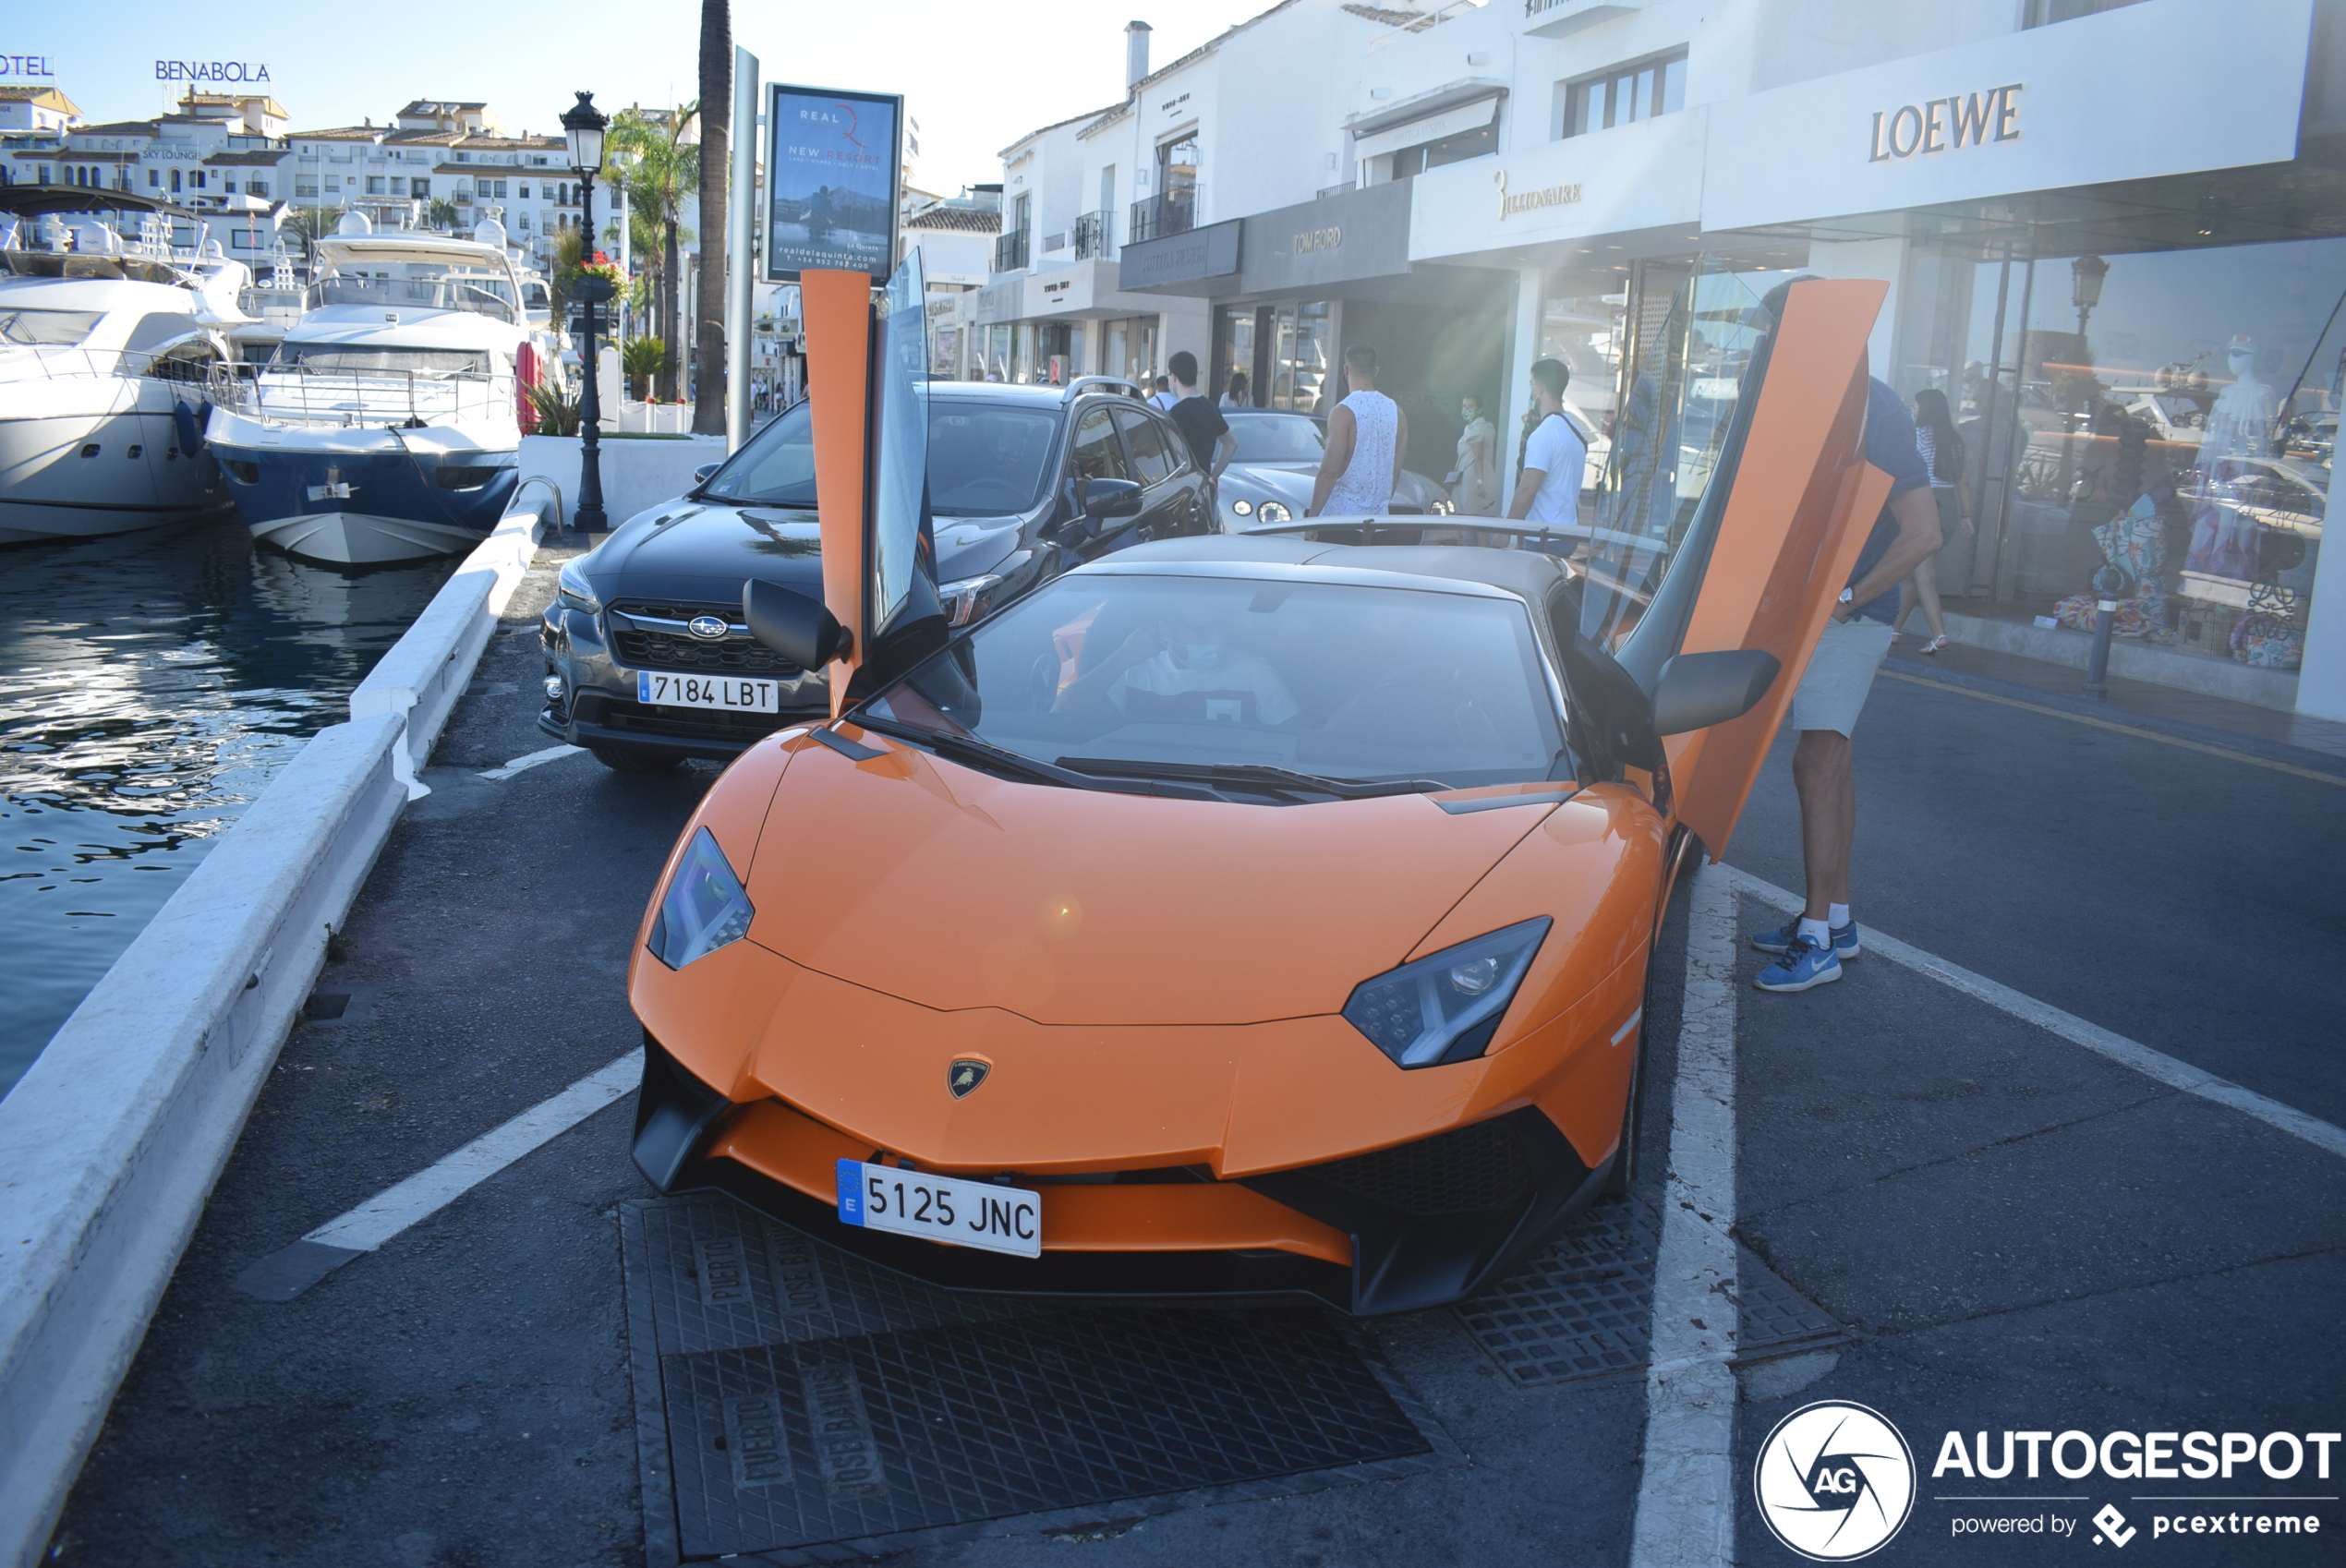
(1094, 236)
(1011, 250)
(1168, 212)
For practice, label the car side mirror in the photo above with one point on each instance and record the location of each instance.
(1104, 499)
(798, 628)
(701, 474)
(1698, 690)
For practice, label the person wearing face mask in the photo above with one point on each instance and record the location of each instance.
(1474, 486)
(1182, 671)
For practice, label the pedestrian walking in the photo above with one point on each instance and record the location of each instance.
(1833, 693)
(1201, 424)
(1942, 458)
(1367, 435)
(1555, 459)
(1237, 394)
(1474, 483)
(1161, 395)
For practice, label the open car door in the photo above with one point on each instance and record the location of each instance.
(868, 388)
(1738, 500)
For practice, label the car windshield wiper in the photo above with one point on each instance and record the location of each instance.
(998, 759)
(1242, 772)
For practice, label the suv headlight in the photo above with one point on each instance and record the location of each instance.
(572, 587)
(1445, 1007)
(703, 908)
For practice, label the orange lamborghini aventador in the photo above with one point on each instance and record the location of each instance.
(1237, 915)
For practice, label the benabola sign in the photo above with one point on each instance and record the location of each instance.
(209, 71)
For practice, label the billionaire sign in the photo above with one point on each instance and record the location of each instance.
(210, 70)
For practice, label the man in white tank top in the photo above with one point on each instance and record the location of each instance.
(1367, 435)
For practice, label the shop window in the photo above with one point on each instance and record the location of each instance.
(2163, 421)
(1639, 91)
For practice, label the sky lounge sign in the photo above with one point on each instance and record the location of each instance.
(209, 71)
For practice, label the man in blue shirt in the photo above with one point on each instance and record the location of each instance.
(1833, 693)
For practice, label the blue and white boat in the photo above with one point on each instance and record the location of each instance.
(386, 426)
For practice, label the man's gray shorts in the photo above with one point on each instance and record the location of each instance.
(1833, 689)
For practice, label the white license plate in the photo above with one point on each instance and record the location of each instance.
(946, 1208)
(708, 690)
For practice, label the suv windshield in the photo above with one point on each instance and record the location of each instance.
(1275, 437)
(984, 460)
(1331, 680)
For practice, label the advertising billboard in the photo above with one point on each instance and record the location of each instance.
(832, 165)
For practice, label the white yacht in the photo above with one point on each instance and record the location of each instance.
(386, 425)
(106, 350)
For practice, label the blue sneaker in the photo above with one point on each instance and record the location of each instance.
(1780, 940)
(1804, 964)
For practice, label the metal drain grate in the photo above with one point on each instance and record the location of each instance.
(796, 1402)
(1582, 1310)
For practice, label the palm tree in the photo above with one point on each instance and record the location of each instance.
(661, 174)
(716, 124)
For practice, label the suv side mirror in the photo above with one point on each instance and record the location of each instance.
(1699, 690)
(798, 628)
(1104, 499)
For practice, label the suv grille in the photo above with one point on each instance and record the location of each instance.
(650, 635)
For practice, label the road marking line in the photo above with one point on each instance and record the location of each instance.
(2140, 734)
(288, 1271)
(1685, 1490)
(2155, 1064)
(535, 759)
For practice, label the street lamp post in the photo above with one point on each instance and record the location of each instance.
(583, 130)
(2086, 274)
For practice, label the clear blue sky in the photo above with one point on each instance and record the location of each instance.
(976, 74)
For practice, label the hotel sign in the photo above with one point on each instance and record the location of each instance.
(1947, 124)
(26, 66)
(210, 70)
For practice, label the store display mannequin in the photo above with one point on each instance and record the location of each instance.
(2223, 541)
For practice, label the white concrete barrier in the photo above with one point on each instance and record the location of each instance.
(110, 1141)
(638, 471)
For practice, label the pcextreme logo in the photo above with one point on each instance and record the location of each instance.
(1834, 1481)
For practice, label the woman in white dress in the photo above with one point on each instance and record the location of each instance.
(1474, 488)
(1367, 434)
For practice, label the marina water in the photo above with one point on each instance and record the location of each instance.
(150, 686)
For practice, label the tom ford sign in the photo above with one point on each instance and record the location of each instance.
(1947, 124)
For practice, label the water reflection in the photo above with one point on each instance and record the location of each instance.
(150, 686)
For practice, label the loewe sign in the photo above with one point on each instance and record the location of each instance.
(1945, 125)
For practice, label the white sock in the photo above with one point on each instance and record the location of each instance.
(1816, 932)
(1838, 916)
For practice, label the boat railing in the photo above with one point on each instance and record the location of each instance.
(59, 362)
(316, 395)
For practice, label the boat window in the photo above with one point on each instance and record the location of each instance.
(1338, 681)
(421, 285)
(338, 357)
(156, 329)
(27, 326)
(1275, 437)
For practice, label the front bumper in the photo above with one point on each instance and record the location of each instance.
(596, 706)
(1399, 1229)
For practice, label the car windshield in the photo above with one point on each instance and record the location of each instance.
(984, 460)
(1336, 681)
(45, 328)
(1275, 437)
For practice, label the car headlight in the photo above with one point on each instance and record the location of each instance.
(704, 907)
(572, 587)
(1243, 507)
(967, 599)
(1273, 512)
(1445, 1007)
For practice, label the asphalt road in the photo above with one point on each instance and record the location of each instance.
(2020, 1235)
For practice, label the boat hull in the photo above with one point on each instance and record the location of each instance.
(96, 457)
(355, 497)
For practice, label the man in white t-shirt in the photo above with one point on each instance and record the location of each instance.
(1555, 459)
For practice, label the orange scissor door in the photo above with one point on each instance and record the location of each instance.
(1801, 503)
(837, 310)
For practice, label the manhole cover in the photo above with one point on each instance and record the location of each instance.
(1582, 1310)
(796, 1402)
